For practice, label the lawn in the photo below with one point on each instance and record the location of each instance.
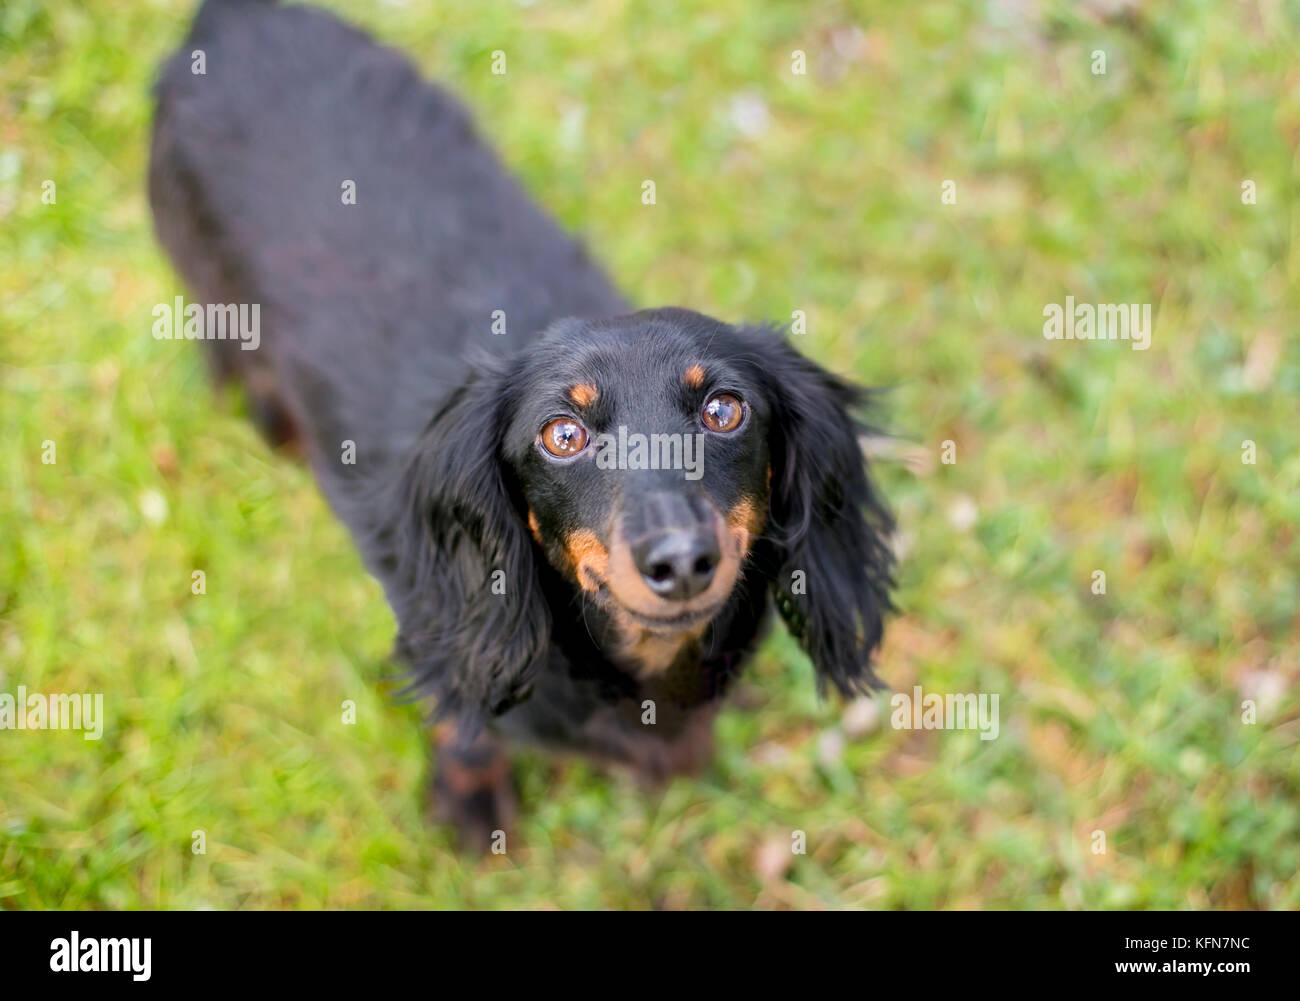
(1126, 713)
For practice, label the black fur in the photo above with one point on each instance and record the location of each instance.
(827, 515)
(377, 331)
(452, 519)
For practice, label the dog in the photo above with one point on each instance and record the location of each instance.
(580, 514)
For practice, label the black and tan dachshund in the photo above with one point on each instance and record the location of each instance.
(579, 513)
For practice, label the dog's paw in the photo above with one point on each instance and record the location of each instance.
(480, 804)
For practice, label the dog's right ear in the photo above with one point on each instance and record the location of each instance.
(473, 623)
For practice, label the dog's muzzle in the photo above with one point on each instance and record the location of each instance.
(673, 538)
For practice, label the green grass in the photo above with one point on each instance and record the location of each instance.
(1120, 713)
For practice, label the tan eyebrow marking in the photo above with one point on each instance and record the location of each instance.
(584, 394)
(694, 376)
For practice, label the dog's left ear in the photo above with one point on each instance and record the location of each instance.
(830, 525)
(458, 565)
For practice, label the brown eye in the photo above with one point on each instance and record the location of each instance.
(723, 413)
(563, 437)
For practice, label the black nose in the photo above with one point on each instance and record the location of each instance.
(679, 563)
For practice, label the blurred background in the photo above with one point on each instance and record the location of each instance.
(1120, 713)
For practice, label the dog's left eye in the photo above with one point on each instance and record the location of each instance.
(723, 413)
(563, 437)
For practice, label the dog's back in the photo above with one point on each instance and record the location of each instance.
(268, 120)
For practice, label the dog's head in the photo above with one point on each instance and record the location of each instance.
(652, 461)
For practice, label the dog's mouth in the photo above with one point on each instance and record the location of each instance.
(670, 622)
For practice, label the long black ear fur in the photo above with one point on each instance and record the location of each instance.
(827, 518)
(452, 522)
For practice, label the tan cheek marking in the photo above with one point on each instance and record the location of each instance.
(694, 376)
(746, 522)
(584, 394)
(534, 527)
(587, 554)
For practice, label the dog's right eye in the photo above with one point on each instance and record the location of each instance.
(563, 437)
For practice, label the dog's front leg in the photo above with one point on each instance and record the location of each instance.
(473, 789)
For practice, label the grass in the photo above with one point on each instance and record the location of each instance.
(1120, 713)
